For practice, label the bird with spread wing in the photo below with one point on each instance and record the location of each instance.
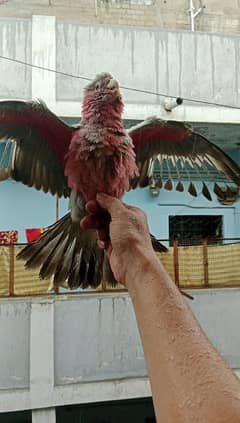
(98, 156)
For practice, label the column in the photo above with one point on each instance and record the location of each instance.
(45, 415)
(44, 55)
(42, 353)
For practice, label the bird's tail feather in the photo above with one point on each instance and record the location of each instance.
(157, 246)
(71, 256)
(67, 254)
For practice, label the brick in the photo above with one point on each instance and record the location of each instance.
(218, 16)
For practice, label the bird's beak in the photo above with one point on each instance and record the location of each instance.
(113, 85)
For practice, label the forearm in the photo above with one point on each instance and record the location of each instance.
(190, 381)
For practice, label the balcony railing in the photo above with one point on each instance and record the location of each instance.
(200, 265)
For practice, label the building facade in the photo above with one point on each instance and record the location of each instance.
(213, 16)
(79, 351)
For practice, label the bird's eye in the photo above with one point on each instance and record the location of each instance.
(97, 86)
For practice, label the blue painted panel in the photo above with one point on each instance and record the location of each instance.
(23, 207)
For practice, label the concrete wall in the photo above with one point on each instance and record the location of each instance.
(86, 348)
(168, 14)
(196, 66)
(15, 42)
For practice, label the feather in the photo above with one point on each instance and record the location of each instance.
(145, 181)
(50, 265)
(205, 192)
(38, 256)
(180, 186)
(155, 137)
(229, 191)
(65, 262)
(168, 185)
(192, 189)
(157, 245)
(42, 141)
(73, 278)
(159, 183)
(218, 191)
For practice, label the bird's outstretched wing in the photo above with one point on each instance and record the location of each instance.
(177, 146)
(33, 143)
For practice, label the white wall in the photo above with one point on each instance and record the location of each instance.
(193, 65)
(86, 348)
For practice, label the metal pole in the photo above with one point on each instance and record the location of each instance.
(96, 8)
(57, 208)
(194, 14)
(191, 11)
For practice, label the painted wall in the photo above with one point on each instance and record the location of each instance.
(173, 62)
(15, 42)
(167, 62)
(23, 207)
(86, 348)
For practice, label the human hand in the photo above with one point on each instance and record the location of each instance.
(122, 231)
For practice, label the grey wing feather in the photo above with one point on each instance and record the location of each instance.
(39, 140)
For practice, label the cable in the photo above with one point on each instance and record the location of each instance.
(21, 62)
(158, 94)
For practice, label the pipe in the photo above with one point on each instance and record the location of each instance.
(194, 14)
(96, 7)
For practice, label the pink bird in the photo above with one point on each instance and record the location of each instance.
(98, 156)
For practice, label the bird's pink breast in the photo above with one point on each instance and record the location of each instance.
(100, 161)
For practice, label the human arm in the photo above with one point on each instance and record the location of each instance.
(189, 379)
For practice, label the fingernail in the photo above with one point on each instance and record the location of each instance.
(101, 244)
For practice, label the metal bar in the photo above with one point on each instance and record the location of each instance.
(11, 270)
(105, 289)
(96, 7)
(57, 208)
(88, 293)
(55, 286)
(23, 244)
(205, 262)
(193, 14)
(176, 262)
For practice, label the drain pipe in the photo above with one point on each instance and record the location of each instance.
(96, 7)
(194, 14)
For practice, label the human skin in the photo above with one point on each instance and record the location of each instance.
(190, 381)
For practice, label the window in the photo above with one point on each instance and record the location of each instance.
(16, 417)
(193, 229)
(138, 410)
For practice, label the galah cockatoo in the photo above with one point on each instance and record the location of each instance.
(98, 156)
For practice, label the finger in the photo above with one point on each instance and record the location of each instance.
(103, 234)
(103, 244)
(91, 222)
(111, 204)
(96, 221)
(92, 207)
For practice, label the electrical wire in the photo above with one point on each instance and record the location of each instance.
(158, 94)
(125, 88)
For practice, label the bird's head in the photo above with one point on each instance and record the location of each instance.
(103, 88)
(101, 95)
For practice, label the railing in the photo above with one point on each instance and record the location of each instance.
(204, 264)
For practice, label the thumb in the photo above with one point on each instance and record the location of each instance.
(111, 204)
